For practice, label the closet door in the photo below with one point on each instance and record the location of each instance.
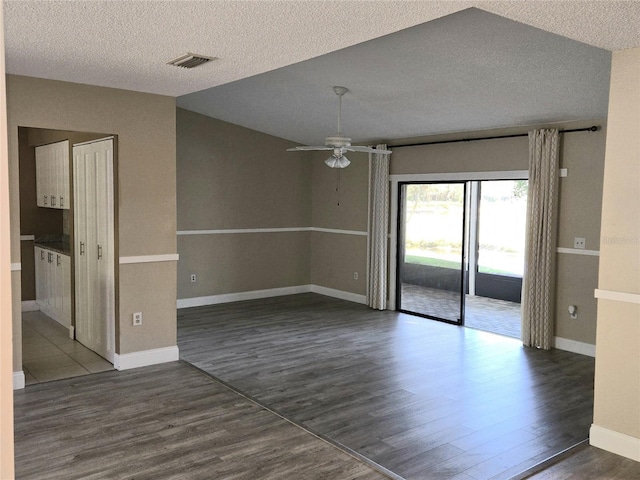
(94, 239)
(81, 173)
(104, 238)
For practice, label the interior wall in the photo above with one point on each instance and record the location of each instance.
(617, 375)
(145, 126)
(340, 202)
(580, 196)
(35, 220)
(249, 202)
(8, 277)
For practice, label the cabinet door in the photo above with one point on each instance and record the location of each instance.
(64, 191)
(52, 175)
(42, 172)
(60, 174)
(40, 263)
(65, 289)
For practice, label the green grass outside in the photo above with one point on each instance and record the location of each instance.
(438, 262)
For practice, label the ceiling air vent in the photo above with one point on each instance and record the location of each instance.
(190, 60)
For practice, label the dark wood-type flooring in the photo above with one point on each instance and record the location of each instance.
(168, 421)
(590, 463)
(424, 399)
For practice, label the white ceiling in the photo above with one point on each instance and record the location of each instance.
(126, 44)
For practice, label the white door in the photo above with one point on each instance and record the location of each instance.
(94, 246)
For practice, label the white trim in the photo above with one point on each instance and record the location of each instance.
(145, 358)
(26, 238)
(340, 232)
(461, 176)
(578, 251)
(72, 332)
(243, 230)
(16, 267)
(18, 380)
(268, 293)
(615, 442)
(240, 296)
(617, 296)
(168, 257)
(575, 347)
(331, 292)
(30, 306)
(233, 231)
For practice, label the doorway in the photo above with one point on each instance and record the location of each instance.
(431, 257)
(51, 350)
(460, 252)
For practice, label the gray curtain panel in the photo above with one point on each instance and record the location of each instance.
(540, 256)
(378, 229)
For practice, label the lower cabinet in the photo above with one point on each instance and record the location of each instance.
(53, 284)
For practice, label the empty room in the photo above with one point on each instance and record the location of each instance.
(291, 239)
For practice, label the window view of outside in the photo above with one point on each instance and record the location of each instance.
(502, 221)
(433, 224)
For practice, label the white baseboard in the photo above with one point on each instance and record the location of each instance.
(575, 346)
(18, 380)
(30, 306)
(330, 292)
(271, 292)
(615, 442)
(240, 296)
(145, 358)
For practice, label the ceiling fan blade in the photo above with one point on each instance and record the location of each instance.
(355, 148)
(307, 148)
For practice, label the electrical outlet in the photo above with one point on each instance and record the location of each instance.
(193, 278)
(137, 319)
(579, 242)
(355, 275)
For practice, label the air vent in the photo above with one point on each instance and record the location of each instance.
(190, 60)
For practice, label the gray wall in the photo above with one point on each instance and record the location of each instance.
(230, 177)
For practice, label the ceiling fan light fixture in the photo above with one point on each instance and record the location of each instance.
(337, 161)
(338, 142)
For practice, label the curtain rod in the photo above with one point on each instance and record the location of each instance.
(593, 128)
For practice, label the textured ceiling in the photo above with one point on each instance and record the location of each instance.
(470, 70)
(126, 44)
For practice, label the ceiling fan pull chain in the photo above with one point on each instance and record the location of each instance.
(338, 185)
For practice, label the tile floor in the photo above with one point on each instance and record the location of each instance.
(488, 314)
(49, 354)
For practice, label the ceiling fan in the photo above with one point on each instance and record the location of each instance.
(339, 143)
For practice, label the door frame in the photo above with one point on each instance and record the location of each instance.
(401, 225)
(426, 178)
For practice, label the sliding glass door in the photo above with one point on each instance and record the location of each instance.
(431, 253)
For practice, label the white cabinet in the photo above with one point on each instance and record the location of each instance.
(53, 284)
(94, 246)
(52, 175)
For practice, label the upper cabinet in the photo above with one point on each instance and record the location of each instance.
(52, 175)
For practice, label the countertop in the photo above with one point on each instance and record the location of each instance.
(57, 243)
